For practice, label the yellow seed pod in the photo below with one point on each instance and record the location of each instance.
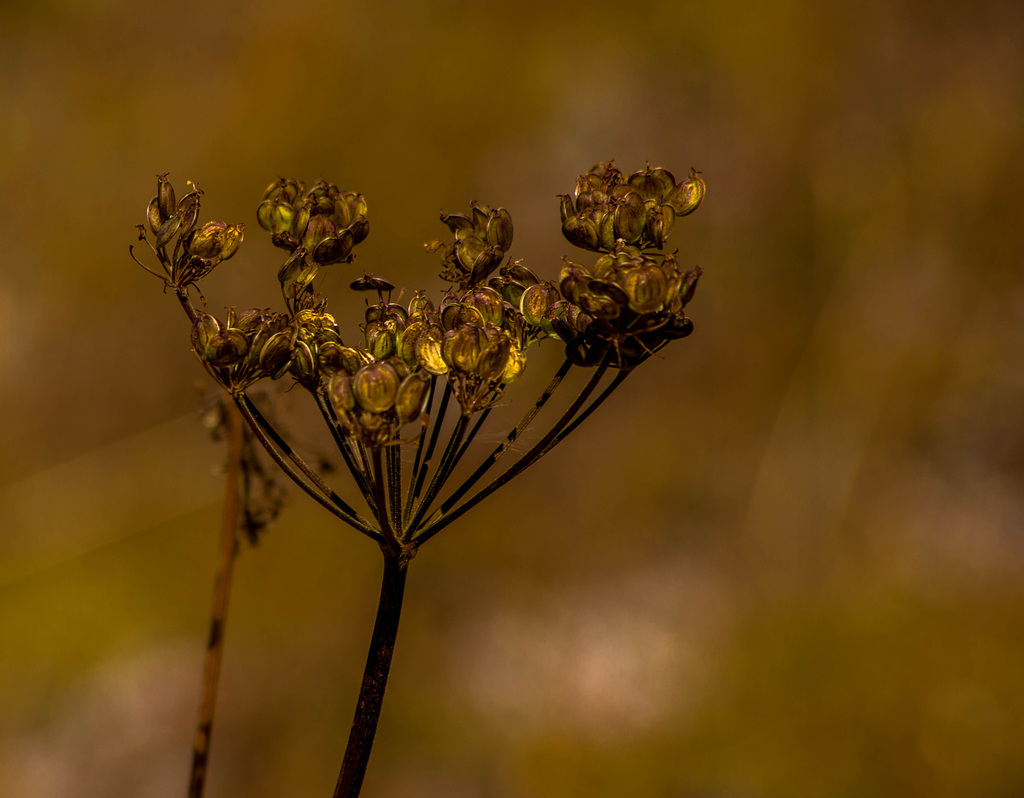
(375, 387)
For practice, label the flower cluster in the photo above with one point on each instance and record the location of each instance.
(196, 251)
(639, 210)
(613, 313)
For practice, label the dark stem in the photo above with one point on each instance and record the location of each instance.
(298, 471)
(509, 439)
(440, 520)
(219, 614)
(375, 677)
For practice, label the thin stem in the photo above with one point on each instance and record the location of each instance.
(375, 677)
(421, 473)
(509, 439)
(344, 446)
(393, 455)
(444, 469)
(439, 520)
(320, 493)
(219, 614)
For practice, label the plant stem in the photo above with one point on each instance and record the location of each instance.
(221, 592)
(375, 676)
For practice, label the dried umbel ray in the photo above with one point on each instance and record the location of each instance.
(422, 362)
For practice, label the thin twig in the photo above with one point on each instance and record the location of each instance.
(221, 593)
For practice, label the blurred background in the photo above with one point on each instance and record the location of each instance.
(785, 559)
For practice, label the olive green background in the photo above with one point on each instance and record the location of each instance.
(785, 559)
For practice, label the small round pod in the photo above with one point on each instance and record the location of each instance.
(412, 396)
(339, 392)
(226, 349)
(375, 387)
(428, 350)
(646, 288)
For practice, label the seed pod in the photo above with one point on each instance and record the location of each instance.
(688, 195)
(499, 229)
(407, 341)
(330, 357)
(216, 241)
(581, 233)
(489, 304)
(165, 197)
(515, 365)
(659, 224)
(493, 358)
(375, 387)
(167, 231)
(381, 342)
(153, 216)
(653, 183)
(204, 328)
(303, 363)
(420, 303)
(339, 391)
(333, 249)
(689, 286)
(226, 348)
(536, 300)
(412, 397)
(630, 217)
(461, 348)
(276, 354)
(646, 288)
(428, 350)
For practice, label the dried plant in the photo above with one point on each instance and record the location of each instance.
(421, 366)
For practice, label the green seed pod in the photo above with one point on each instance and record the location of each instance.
(276, 216)
(375, 387)
(412, 397)
(487, 262)
(659, 224)
(381, 342)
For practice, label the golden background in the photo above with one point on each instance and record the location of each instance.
(785, 559)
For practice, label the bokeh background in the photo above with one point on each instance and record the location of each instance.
(784, 560)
